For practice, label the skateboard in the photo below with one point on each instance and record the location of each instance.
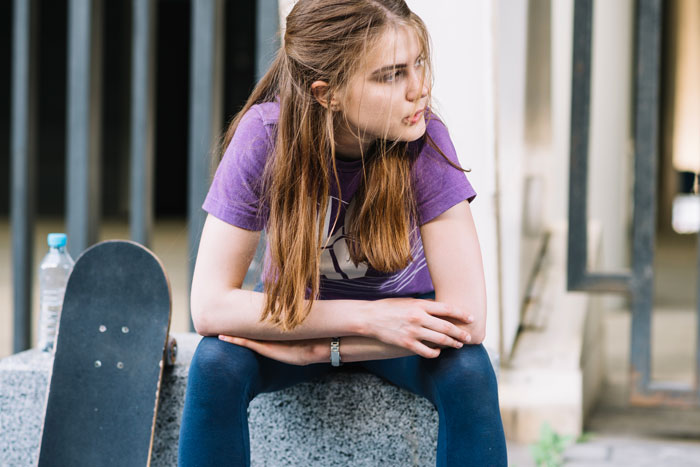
(110, 352)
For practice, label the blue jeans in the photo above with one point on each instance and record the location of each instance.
(224, 378)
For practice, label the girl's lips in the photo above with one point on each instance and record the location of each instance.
(415, 117)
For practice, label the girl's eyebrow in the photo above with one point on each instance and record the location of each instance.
(384, 69)
(397, 66)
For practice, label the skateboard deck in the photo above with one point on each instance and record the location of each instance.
(103, 395)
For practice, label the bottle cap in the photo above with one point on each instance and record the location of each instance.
(56, 240)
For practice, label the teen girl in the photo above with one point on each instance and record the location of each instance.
(337, 156)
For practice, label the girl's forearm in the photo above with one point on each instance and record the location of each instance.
(358, 349)
(237, 313)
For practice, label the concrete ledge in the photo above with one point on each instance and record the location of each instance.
(555, 371)
(347, 419)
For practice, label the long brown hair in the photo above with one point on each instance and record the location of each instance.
(326, 40)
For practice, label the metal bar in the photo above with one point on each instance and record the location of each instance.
(669, 394)
(578, 170)
(646, 124)
(23, 157)
(613, 282)
(83, 137)
(639, 283)
(578, 277)
(267, 40)
(206, 97)
(142, 120)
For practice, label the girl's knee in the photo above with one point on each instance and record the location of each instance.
(222, 363)
(467, 367)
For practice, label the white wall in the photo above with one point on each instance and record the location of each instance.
(463, 44)
(562, 53)
(510, 31)
(610, 146)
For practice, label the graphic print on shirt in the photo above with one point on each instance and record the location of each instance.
(339, 274)
(335, 257)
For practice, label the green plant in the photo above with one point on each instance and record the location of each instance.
(549, 449)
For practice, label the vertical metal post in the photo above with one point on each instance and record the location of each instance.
(647, 62)
(578, 276)
(578, 166)
(142, 120)
(23, 157)
(206, 98)
(266, 35)
(83, 139)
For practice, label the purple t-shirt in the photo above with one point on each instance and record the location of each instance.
(235, 195)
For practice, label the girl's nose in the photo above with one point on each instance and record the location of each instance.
(418, 87)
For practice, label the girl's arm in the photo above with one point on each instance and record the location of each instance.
(453, 255)
(454, 259)
(220, 306)
(308, 351)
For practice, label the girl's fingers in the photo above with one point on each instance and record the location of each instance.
(444, 327)
(285, 352)
(243, 342)
(423, 350)
(446, 310)
(230, 339)
(439, 339)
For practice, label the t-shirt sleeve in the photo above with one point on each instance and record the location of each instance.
(235, 192)
(437, 185)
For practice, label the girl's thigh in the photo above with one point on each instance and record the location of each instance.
(465, 371)
(235, 368)
(275, 375)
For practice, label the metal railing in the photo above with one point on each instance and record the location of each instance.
(638, 282)
(84, 109)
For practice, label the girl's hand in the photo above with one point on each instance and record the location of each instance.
(420, 326)
(299, 352)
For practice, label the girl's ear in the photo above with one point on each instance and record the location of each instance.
(319, 89)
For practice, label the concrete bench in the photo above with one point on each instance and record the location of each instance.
(339, 420)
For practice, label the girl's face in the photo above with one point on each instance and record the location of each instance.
(387, 97)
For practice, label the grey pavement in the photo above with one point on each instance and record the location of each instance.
(618, 451)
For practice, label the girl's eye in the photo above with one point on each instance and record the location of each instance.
(393, 76)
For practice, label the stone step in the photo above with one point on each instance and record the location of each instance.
(343, 419)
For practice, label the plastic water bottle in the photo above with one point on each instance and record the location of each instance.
(53, 278)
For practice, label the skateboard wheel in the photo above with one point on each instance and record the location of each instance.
(170, 351)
